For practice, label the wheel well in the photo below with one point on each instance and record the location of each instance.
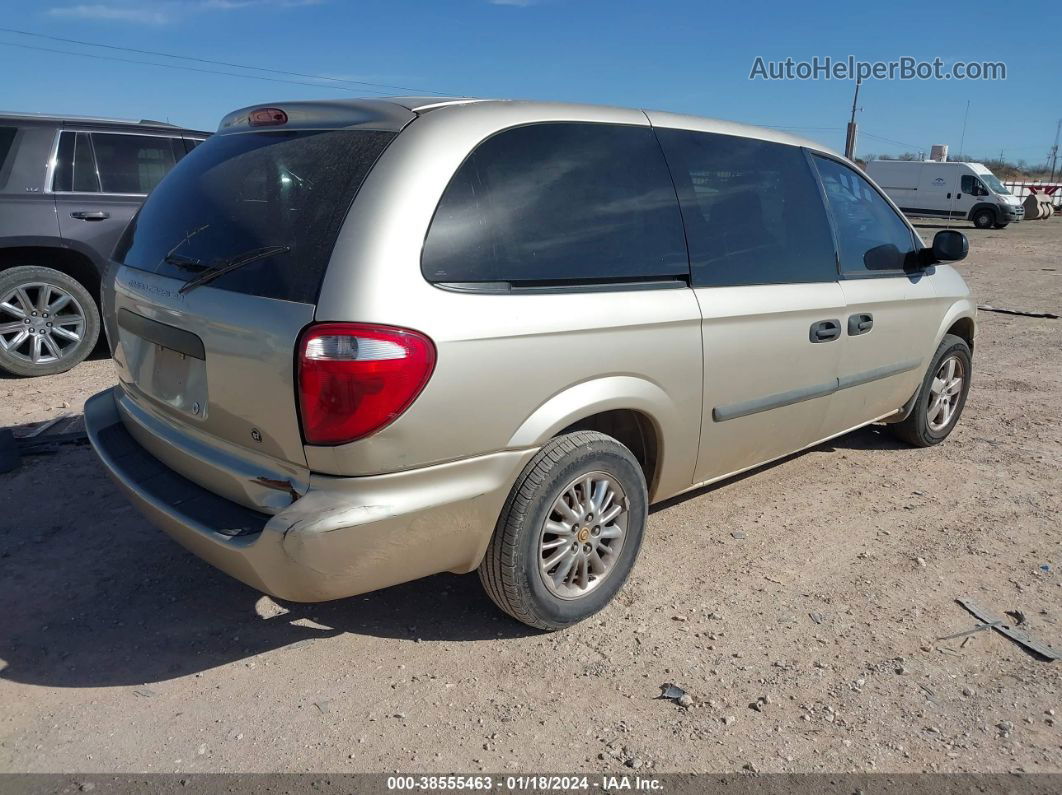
(75, 265)
(963, 327)
(634, 430)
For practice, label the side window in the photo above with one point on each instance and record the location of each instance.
(75, 166)
(753, 212)
(132, 163)
(558, 202)
(968, 185)
(870, 235)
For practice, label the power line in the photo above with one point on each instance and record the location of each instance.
(184, 68)
(890, 140)
(213, 62)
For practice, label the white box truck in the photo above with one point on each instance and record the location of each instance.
(947, 190)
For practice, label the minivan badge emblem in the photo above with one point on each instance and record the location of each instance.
(256, 435)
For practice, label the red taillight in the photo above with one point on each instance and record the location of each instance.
(265, 117)
(354, 379)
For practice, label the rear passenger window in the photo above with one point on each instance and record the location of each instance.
(753, 212)
(75, 167)
(559, 202)
(132, 163)
(871, 236)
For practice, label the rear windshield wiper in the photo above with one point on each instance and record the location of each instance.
(231, 264)
(183, 262)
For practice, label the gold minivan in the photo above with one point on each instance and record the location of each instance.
(363, 342)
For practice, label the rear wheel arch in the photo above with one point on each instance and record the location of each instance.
(640, 411)
(635, 430)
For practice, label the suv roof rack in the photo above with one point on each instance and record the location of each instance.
(10, 114)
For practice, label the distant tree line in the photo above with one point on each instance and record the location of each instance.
(1004, 169)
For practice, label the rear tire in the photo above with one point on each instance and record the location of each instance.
(48, 321)
(569, 533)
(942, 396)
(984, 219)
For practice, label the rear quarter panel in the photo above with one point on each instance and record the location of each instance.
(512, 370)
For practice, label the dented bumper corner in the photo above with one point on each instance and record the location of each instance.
(342, 537)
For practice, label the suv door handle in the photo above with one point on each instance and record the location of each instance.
(825, 330)
(860, 324)
(86, 215)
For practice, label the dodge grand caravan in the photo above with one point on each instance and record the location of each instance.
(363, 342)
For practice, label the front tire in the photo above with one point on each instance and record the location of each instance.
(569, 533)
(1002, 226)
(942, 396)
(48, 321)
(984, 219)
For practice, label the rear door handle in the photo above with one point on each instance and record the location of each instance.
(825, 330)
(860, 324)
(87, 215)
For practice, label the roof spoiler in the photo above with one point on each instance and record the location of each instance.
(373, 114)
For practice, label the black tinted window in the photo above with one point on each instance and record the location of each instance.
(7, 137)
(555, 203)
(236, 193)
(75, 167)
(871, 236)
(753, 212)
(132, 163)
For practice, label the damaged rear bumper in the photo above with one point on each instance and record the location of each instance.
(343, 537)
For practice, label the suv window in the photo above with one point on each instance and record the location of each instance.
(75, 167)
(114, 162)
(559, 202)
(133, 163)
(237, 193)
(753, 212)
(871, 236)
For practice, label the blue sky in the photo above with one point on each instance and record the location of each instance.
(691, 57)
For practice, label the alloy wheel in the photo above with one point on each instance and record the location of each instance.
(40, 323)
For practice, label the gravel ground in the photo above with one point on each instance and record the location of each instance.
(799, 605)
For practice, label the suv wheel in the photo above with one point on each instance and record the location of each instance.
(569, 533)
(941, 397)
(48, 321)
(984, 219)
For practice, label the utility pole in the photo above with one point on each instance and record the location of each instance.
(1054, 150)
(850, 138)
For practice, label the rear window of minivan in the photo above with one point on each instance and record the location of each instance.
(240, 192)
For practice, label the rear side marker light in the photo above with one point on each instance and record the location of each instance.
(355, 379)
(265, 117)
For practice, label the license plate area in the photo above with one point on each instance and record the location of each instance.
(176, 378)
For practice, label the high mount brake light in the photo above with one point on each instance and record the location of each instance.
(355, 379)
(266, 117)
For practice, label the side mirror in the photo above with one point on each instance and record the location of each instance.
(949, 246)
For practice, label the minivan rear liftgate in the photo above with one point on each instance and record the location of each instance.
(216, 279)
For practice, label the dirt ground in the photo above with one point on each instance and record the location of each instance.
(819, 584)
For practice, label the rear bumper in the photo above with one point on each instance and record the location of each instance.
(345, 536)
